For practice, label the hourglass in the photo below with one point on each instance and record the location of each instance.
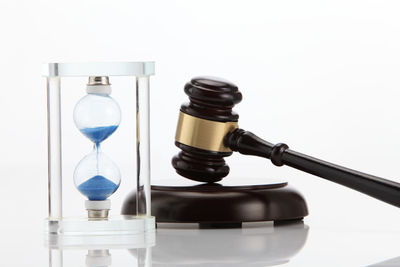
(97, 116)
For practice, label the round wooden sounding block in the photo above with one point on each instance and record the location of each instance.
(225, 204)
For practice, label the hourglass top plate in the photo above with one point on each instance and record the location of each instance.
(98, 69)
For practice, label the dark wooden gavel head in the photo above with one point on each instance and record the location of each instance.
(202, 126)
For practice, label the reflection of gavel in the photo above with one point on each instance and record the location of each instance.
(208, 131)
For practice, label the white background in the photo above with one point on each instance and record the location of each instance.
(321, 76)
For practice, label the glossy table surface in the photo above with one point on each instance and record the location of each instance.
(260, 244)
(362, 232)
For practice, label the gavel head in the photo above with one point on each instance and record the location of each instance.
(203, 124)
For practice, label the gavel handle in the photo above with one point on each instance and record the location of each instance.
(249, 144)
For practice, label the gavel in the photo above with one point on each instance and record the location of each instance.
(208, 131)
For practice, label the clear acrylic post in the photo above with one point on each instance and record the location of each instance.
(54, 147)
(143, 198)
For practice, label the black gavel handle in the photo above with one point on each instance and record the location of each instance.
(249, 144)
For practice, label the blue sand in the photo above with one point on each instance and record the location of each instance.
(98, 188)
(99, 134)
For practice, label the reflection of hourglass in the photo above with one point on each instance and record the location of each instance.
(99, 251)
(98, 258)
(97, 116)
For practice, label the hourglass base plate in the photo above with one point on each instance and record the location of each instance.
(119, 225)
(128, 241)
(223, 205)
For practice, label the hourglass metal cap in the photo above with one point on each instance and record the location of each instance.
(99, 80)
(98, 85)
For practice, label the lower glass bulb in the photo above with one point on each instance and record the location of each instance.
(97, 176)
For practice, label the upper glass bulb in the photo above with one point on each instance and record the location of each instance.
(97, 115)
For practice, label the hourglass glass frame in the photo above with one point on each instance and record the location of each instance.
(57, 223)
